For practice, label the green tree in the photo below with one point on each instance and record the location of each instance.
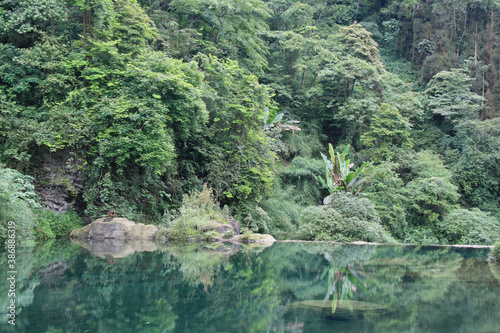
(450, 95)
(239, 157)
(388, 131)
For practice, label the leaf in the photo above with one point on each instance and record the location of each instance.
(156, 96)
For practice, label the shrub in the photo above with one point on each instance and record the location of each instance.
(198, 210)
(495, 252)
(346, 218)
(56, 225)
(321, 223)
(17, 197)
(422, 235)
(463, 226)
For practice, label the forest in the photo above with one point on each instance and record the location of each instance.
(347, 120)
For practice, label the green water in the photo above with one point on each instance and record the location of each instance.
(288, 287)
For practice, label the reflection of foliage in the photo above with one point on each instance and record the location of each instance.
(199, 264)
(250, 290)
(342, 282)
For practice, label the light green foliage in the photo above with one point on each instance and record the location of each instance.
(450, 95)
(463, 226)
(338, 174)
(346, 218)
(230, 29)
(388, 130)
(53, 225)
(198, 210)
(357, 42)
(321, 223)
(17, 198)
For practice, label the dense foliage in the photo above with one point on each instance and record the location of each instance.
(146, 101)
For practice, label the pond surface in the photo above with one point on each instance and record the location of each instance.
(287, 287)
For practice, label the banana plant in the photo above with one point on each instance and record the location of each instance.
(338, 174)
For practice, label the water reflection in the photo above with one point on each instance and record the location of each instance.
(232, 288)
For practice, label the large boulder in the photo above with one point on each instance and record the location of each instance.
(115, 228)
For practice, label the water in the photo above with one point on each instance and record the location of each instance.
(288, 287)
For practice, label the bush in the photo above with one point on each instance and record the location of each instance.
(56, 225)
(17, 197)
(198, 210)
(321, 223)
(347, 218)
(495, 252)
(422, 235)
(474, 226)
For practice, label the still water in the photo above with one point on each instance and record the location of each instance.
(287, 287)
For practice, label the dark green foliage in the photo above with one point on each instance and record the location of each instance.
(53, 225)
(236, 154)
(463, 226)
(477, 169)
(384, 191)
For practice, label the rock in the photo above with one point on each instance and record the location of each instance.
(253, 238)
(235, 224)
(221, 228)
(59, 180)
(116, 228)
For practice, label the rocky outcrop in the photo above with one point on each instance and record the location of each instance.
(116, 228)
(58, 180)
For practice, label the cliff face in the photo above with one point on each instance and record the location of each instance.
(59, 180)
